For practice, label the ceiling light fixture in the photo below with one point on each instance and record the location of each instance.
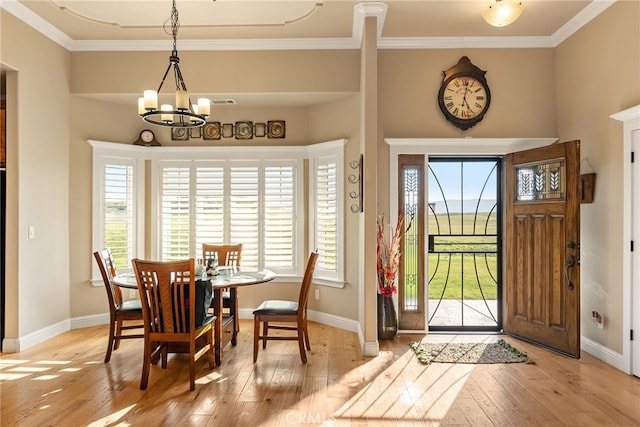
(185, 114)
(501, 13)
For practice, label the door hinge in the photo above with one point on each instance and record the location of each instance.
(632, 246)
(631, 335)
(633, 156)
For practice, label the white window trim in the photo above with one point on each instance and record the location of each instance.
(315, 152)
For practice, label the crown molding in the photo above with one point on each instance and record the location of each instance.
(361, 11)
(463, 42)
(37, 23)
(581, 19)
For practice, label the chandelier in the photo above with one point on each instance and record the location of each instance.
(501, 13)
(185, 114)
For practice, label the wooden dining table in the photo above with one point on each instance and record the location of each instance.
(230, 278)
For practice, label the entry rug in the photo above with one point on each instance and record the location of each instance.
(497, 352)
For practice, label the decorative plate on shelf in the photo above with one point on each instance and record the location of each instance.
(275, 129)
(211, 130)
(244, 130)
(179, 134)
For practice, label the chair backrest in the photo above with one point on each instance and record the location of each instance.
(108, 271)
(305, 287)
(167, 294)
(228, 255)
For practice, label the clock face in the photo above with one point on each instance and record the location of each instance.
(146, 136)
(465, 98)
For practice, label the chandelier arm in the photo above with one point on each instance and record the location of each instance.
(164, 77)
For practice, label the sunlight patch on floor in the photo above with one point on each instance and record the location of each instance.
(112, 418)
(407, 390)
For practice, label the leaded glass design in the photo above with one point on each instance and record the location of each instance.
(541, 181)
(410, 252)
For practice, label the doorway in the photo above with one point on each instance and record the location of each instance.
(464, 244)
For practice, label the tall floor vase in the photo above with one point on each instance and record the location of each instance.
(387, 319)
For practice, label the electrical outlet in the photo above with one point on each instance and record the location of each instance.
(317, 294)
(598, 319)
(133, 293)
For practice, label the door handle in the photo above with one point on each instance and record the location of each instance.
(571, 261)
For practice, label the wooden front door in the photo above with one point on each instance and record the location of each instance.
(542, 275)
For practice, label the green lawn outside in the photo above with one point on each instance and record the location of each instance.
(469, 275)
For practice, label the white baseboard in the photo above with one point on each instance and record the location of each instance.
(16, 345)
(88, 321)
(603, 353)
(316, 316)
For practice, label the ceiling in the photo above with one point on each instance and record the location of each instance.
(94, 25)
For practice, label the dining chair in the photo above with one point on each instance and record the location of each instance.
(288, 312)
(119, 311)
(227, 256)
(167, 292)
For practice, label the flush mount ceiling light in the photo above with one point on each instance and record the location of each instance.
(501, 13)
(185, 114)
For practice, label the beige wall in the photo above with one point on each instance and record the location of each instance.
(568, 92)
(38, 179)
(598, 74)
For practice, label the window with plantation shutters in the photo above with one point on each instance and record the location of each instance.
(118, 186)
(118, 214)
(250, 195)
(244, 212)
(175, 213)
(326, 212)
(210, 206)
(279, 214)
(248, 202)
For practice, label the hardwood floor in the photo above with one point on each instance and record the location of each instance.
(64, 382)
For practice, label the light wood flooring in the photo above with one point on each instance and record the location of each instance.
(64, 382)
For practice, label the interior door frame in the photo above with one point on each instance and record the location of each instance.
(447, 147)
(630, 362)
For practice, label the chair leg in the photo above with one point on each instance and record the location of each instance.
(306, 336)
(210, 355)
(112, 326)
(236, 320)
(265, 333)
(192, 365)
(118, 334)
(163, 355)
(256, 336)
(301, 335)
(146, 365)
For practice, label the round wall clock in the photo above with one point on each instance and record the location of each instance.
(464, 95)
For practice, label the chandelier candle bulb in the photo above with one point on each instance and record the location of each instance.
(182, 100)
(204, 106)
(168, 118)
(150, 100)
(141, 109)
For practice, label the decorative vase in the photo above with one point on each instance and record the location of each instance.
(387, 319)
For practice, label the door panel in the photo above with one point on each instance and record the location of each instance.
(542, 283)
